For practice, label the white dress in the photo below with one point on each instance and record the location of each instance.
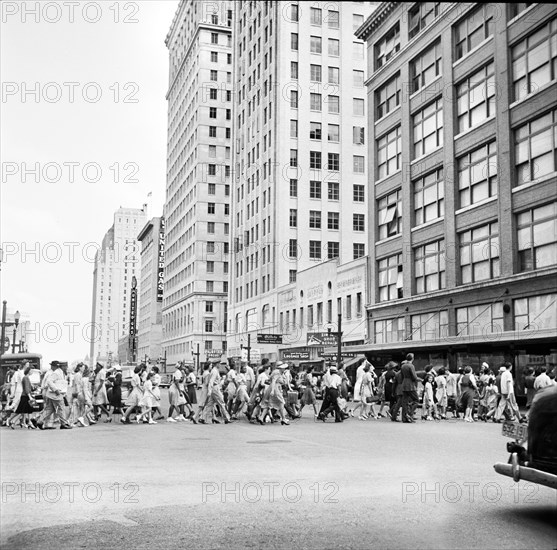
(358, 385)
(147, 400)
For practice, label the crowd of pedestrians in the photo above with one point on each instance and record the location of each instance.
(272, 393)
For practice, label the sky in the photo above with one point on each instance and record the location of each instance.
(82, 132)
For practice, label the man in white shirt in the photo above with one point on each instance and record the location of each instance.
(250, 377)
(214, 394)
(333, 382)
(542, 380)
(56, 390)
(507, 394)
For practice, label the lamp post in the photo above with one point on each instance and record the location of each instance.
(16, 323)
(3, 327)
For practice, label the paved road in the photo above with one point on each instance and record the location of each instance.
(308, 485)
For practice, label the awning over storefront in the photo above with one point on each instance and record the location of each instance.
(507, 338)
(354, 360)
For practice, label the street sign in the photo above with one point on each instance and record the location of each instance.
(213, 353)
(322, 339)
(295, 355)
(344, 355)
(269, 338)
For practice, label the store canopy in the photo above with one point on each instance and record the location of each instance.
(354, 360)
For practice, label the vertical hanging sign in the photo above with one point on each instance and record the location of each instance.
(160, 268)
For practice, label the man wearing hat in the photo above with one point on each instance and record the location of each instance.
(507, 394)
(214, 394)
(56, 390)
(334, 382)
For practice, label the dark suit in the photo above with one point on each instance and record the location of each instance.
(397, 392)
(409, 391)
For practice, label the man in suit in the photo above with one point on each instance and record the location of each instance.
(409, 389)
(397, 392)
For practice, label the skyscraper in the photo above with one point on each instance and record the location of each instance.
(300, 184)
(116, 263)
(197, 207)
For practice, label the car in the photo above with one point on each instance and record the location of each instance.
(166, 380)
(536, 462)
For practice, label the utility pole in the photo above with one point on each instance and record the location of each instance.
(3, 327)
(248, 347)
(339, 341)
(197, 357)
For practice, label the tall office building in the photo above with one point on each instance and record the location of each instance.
(300, 187)
(151, 285)
(197, 207)
(116, 264)
(462, 103)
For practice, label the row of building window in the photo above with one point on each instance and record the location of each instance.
(317, 17)
(333, 220)
(478, 254)
(333, 161)
(533, 313)
(333, 46)
(333, 132)
(333, 190)
(316, 74)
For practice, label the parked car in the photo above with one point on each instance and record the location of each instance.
(538, 461)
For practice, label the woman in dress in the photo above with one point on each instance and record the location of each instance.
(86, 397)
(156, 380)
(191, 383)
(441, 393)
(204, 392)
(116, 394)
(100, 399)
(73, 393)
(17, 386)
(358, 389)
(148, 400)
(308, 396)
(428, 404)
(24, 408)
(273, 397)
(175, 396)
(135, 395)
(366, 392)
(468, 387)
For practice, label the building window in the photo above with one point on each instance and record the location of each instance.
(293, 217)
(315, 73)
(358, 79)
(358, 107)
(518, 7)
(214, 38)
(315, 130)
(315, 160)
(293, 188)
(359, 250)
(430, 326)
(213, 93)
(479, 320)
(479, 253)
(389, 153)
(537, 237)
(425, 68)
(210, 267)
(210, 227)
(477, 174)
(294, 12)
(293, 128)
(535, 312)
(333, 132)
(315, 44)
(536, 148)
(294, 157)
(293, 99)
(358, 222)
(387, 47)
(315, 16)
(390, 283)
(315, 219)
(429, 198)
(292, 276)
(429, 266)
(334, 104)
(358, 164)
(333, 250)
(389, 214)
(333, 220)
(358, 193)
(333, 191)
(473, 30)
(212, 169)
(294, 41)
(208, 325)
(315, 250)
(387, 98)
(212, 189)
(210, 208)
(333, 19)
(214, 76)
(334, 75)
(333, 47)
(315, 102)
(357, 51)
(294, 70)
(209, 307)
(292, 248)
(422, 15)
(212, 112)
(428, 128)
(389, 330)
(476, 98)
(333, 162)
(213, 131)
(214, 57)
(314, 189)
(534, 60)
(212, 151)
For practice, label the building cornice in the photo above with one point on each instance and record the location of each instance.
(376, 18)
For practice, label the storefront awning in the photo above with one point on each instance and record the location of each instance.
(512, 337)
(354, 360)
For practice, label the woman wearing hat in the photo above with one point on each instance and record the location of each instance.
(100, 399)
(273, 397)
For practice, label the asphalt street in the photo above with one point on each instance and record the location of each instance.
(360, 484)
